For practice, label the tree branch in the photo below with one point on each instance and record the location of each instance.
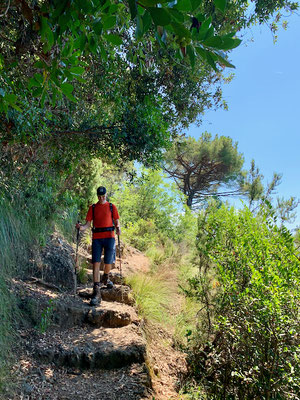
(6, 11)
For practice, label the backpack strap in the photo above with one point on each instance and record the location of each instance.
(93, 210)
(112, 215)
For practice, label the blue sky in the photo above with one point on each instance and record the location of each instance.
(264, 105)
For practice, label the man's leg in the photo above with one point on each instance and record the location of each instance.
(96, 255)
(96, 269)
(104, 278)
(109, 254)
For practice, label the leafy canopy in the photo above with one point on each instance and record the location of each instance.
(55, 36)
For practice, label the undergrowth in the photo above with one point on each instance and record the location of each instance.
(23, 231)
(152, 296)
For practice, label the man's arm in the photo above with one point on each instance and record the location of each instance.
(117, 225)
(83, 227)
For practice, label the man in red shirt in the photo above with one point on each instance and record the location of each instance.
(105, 219)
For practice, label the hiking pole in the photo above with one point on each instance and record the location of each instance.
(76, 259)
(120, 267)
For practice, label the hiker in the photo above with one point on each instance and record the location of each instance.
(105, 219)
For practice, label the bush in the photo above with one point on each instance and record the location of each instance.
(141, 234)
(248, 341)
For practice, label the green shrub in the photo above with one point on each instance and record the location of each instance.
(47, 316)
(82, 274)
(247, 343)
(141, 234)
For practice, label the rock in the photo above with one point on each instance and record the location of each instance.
(58, 264)
(119, 293)
(69, 315)
(108, 318)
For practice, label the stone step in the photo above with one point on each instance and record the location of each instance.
(107, 314)
(119, 293)
(87, 348)
(68, 311)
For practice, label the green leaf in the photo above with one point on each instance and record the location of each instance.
(113, 8)
(191, 53)
(203, 31)
(50, 36)
(109, 22)
(146, 21)
(38, 78)
(39, 64)
(133, 8)
(98, 26)
(79, 78)
(103, 52)
(32, 83)
(37, 92)
(16, 107)
(206, 56)
(59, 9)
(160, 16)
(176, 14)
(10, 98)
(70, 97)
(81, 41)
(114, 39)
(139, 31)
(184, 5)
(43, 97)
(209, 33)
(106, 5)
(92, 45)
(180, 30)
(63, 21)
(222, 42)
(222, 61)
(77, 70)
(195, 4)
(67, 88)
(211, 61)
(220, 4)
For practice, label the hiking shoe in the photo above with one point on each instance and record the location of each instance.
(109, 284)
(96, 295)
(106, 282)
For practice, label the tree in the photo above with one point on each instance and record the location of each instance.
(257, 193)
(200, 167)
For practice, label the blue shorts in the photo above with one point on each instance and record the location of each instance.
(108, 244)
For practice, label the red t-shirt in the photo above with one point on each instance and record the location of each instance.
(102, 219)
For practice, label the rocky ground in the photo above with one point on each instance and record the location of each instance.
(69, 350)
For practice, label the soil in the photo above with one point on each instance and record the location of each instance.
(69, 350)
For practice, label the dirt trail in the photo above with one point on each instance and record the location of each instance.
(92, 353)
